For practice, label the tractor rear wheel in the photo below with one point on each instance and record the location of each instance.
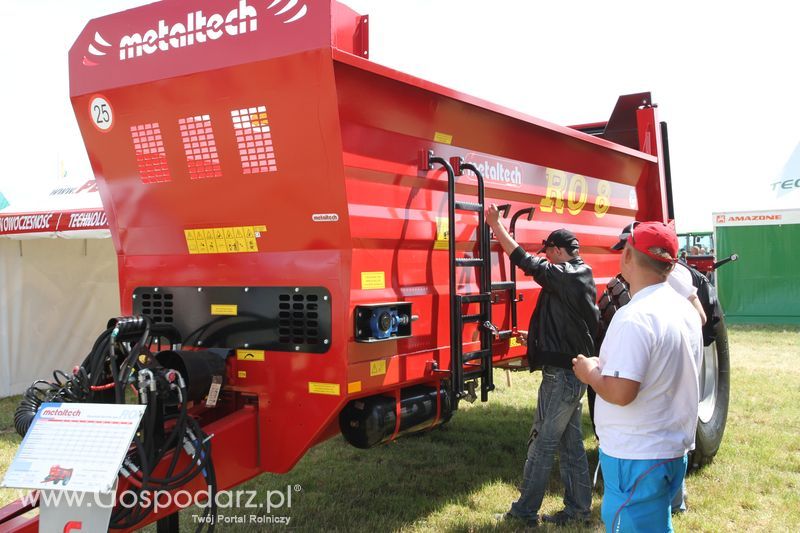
(715, 386)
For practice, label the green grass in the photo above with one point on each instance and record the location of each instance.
(456, 478)
(9, 441)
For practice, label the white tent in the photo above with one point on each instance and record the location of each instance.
(786, 188)
(58, 283)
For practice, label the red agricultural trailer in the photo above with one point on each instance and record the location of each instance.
(300, 233)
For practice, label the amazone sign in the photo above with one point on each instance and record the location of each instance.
(757, 218)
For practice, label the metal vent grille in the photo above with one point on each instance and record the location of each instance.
(254, 140)
(285, 319)
(158, 306)
(151, 158)
(200, 147)
(298, 319)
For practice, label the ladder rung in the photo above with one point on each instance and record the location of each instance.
(469, 206)
(477, 372)
(471, 318)
(471, 356)
(471, 298)
(503, 285)
(469, 261)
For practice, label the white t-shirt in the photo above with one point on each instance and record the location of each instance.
(680, 279)
(657, 341)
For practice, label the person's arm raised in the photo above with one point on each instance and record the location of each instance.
(503, 237)
(695, 301)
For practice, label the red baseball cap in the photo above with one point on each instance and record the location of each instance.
(648, 235)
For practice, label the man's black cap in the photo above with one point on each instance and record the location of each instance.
(561, 238)
(623, 237)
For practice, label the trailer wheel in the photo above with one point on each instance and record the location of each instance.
(714, 396)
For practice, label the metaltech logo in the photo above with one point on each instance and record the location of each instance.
(195, 28)
(497, 170)
(98, 48)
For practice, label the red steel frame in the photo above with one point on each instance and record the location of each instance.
(346, 135)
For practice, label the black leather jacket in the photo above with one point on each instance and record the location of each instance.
(565, 320)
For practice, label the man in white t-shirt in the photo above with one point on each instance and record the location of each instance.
(646, 381)
(679, 279)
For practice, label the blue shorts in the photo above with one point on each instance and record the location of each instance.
(638, 492)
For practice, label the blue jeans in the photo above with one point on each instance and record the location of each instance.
(638, 493)
(557, 427)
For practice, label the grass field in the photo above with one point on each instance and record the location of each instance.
(456, 478)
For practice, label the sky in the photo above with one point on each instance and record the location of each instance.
(724, 76)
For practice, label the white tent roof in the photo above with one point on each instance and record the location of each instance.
(786, 188)
(72, 211)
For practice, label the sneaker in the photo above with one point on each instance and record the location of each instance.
(508, 517)
(562, 518)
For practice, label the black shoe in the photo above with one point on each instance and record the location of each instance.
(561, 518)
(508, 517)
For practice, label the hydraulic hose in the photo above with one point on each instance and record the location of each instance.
(64, 388)
(114, 362)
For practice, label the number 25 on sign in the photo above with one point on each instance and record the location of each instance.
(101, 113)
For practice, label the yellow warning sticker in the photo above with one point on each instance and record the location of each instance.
(444, 138)
(229, 240)
(377, 368)
(250, 355)
(331, 389)
(373, 280)
(442, 234)
(353, 387)
(241, 374)
(513, 342)
(224, 309)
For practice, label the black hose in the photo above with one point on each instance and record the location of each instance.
(26, 411)
(114, 359)
(64, 388)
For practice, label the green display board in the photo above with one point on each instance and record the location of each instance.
(763, 286)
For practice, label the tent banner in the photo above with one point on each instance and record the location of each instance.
(53, 221)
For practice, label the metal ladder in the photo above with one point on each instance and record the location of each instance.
(467, 367)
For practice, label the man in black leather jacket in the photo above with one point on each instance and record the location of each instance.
(566, 317)
(564, 324)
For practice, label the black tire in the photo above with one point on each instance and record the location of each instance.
(715, 385)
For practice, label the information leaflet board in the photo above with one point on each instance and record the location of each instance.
(75, 447)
